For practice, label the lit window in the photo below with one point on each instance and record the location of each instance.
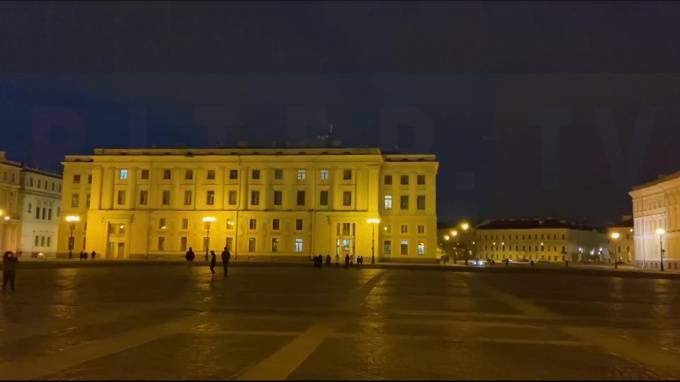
(388, 202)
(275, 244)
(161, 223)
(421, 248)
(298, 245)
(323, 174)
(230, 224)
(301, 175)
(123, 174)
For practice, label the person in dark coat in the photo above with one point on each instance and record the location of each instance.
(9, 267)
(85, 254)
(328, 260)
(346, 260)
(190, 255)
(213, 261)
(225, 260)
(93, 254)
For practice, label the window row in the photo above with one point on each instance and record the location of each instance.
(403, 247)
(526, 248)
(42, 241)
(46, 185)
(252, 224)
(404, 202)
(404, 180)
(41, 213)
(255, 174)
(523, 236)
(298, 244)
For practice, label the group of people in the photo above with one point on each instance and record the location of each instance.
(226, 256)
(84, 255)
(349, 260)
(9, 268)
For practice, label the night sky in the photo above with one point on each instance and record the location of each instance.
(533, 109)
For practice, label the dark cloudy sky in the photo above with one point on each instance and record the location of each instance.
(532, 108)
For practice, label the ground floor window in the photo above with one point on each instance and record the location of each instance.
(251, 244)
(404, 247)
(298, 245)
(229, 243)
(183, 244)
(387, 247)
(421, 248)
(161, 243)
(275, 244)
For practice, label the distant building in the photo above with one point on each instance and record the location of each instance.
(622, 240)
(29, 209)
(40, 197)
(656, 215)
(548, 240)
(263, 203)
(10, 208)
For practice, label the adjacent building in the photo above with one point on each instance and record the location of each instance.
(656, 215)
(29, 209)
(622, 241)
(10, 208)
(547, 240)
(261, 203)
(40, 198)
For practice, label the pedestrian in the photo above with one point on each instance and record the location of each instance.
(93, 254)
(532, 263)
(81, 255)
(85, 254)
(190, 255)
(213, 262)
(328, 260)
(225, 260)
(9, 267)
(337, 260)
(346, 260)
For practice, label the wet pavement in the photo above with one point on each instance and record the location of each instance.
(171, 322)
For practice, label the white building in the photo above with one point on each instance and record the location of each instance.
(656, 215)
(40, 198)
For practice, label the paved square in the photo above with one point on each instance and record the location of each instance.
(169, 322)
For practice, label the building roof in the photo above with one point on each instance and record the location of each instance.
(531, 223)
(660, 179)
(41, 172)
(190, 152)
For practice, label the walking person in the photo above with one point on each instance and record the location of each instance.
(213, 262)
(337, 260)
(85, 254)
(9, 267)
(190, 258)
(328, 260)
(225, 260)
(346, 260)
(93, 254)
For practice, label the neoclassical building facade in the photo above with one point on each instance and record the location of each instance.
(262, 203)
(539, 240)
(656, 215)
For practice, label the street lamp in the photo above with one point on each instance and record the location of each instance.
(72, 220)
(661, 232)
(615, 236)
(207, 220)
(373, 222)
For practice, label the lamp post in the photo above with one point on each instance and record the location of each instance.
(373, 222)
(661, 232)
(615, 236)
(207, 220)
(72, 220)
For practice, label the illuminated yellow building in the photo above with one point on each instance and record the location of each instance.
(262, 203)
(621, 240)
(656, 215)
(547, 240)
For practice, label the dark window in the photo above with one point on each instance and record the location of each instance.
(298, 224)
(255, 174)
(300, 198)
(232, 198)
(278, 198)
(210, 198)
(347, 198)
(347, 175)
(252, 224)
(76, 179)
(421, 179)
(421, 202)
(404, 179)
(189, 174)
(166, 197)
(167, 174)
(323, 198)
(255, 198)
(388, 179)
(233, 174)
(143, 197)
(403, 202)
(278, 174)
(211, 174)
(276, 223)
(145, 174)
(187, 197)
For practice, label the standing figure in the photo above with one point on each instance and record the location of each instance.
(9, 267)
(337, 260)
(346, 260)
(225, 260)
(93, 254)
(328, 260)
(213, 261)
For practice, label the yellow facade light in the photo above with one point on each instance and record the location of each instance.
(465, 226)
(209, 219)
(454, 233)
(615, 235)
(446, 237)
(373, 221)
(660, 231)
